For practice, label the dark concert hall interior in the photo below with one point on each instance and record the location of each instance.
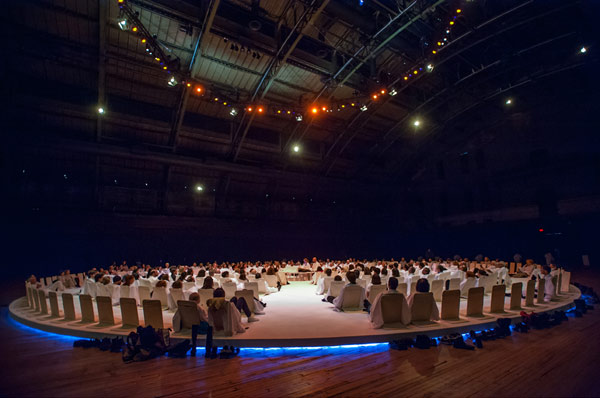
(300, 198)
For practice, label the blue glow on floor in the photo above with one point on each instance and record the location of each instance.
(41, 333)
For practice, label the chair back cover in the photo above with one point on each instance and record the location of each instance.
(129, 313)
(153, 313)
(421, 307)
(450, 304)
(475, 301)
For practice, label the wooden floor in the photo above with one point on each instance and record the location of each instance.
(562, 361)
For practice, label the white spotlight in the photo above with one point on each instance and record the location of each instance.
(298, 118)
(296, 148)
(199, 188)
(583, 50)
(172, 82)
(417, 123)
(101, 110)
(122, 24)
(393, 92)
(508, 101)
(233, 112)
(430, 67)
(363, 108)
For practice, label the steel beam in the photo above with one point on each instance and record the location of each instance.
(273, 70)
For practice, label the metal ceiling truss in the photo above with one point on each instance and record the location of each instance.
(310, 15)
(330, 85)
(179, 112)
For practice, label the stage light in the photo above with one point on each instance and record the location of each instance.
(439, 43)
(352, 104)
(216, 98)
(172, 82)
(134, 29)
(260, 109)
(298, 118)
(393, 92)
(417, 123)
(121, 1)
(233, 112)
(415, 72)
(383, 91)
(116, 182)
(314, 110)
(451, 22)
(249, 109)
(363, 108)
(143, 40)
(189, 84)
(458, 11)
(343, 106)
(405, 77)
(448, 31)
(165, 67)
(375, 96)
(324, 109)
(199, 188)
(146, 184)
(157, 59)
(278, 111)
(296, 148)
(101, 110)
(224, 103)
(434, 52)
(508, 101)
(65, 176)
(429, 67)
(198, 89)
(122, 24)
(541, 229)
(583, 50)
(289, 112)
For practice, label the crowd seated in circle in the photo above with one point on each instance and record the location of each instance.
(339, 281)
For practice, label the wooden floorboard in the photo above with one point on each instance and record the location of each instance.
(557, 362)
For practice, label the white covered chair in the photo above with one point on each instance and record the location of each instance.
(335, 288)
(230, 288)
(205, 295)
(271, 280)
(437, 287)
(175, 295)
(252, 286)
(374, 291)
(143, 294)
(160, 293)
(352, 298)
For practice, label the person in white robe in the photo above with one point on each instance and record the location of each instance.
(549, 289)
(376, 315)
(339, 300)
(423, 287)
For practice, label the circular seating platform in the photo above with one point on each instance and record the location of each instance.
(295, 316)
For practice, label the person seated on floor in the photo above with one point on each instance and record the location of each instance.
(339, 300)
(549, 290)
(376, 311)
(423, 288)
(238, 305)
